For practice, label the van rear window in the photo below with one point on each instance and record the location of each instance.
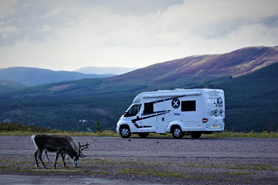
(188, 106)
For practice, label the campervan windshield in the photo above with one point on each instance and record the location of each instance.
(132, 110)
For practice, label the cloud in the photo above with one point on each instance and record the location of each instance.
(46, 28)
(8, 29)
(52, 13)
(255, 34)
(113, 24)
(7, 7)
(131, 33)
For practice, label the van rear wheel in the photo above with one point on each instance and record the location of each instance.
(195, 135)
(177, 132)
(125, 132)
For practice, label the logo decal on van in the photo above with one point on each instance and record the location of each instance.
(176, 103)
(217, 106)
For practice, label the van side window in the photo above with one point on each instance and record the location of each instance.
(148, 108)
(133, 110)
(188, 106)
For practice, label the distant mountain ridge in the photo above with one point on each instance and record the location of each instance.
(34, 76)
(175, 73)
(197, 69)
(104, 70)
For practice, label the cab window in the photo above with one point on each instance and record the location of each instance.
(133, 110)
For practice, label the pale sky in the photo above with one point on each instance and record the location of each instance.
(70, 34)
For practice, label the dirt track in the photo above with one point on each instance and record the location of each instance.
(150, 160)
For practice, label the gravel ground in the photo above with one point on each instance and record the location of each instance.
(153, 160)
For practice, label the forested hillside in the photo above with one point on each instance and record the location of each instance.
(6, 85)
(72, 105)
(34, 76)
(251, 102)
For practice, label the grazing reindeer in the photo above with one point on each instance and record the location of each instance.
(61, 145)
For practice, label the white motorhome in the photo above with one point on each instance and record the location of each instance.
(180, 111)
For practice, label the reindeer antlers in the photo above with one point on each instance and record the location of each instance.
(82, 147)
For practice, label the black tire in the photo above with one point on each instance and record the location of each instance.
(125, 132)
(177, 132)
(143, 135)
(195, 135)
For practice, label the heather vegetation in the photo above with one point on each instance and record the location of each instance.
(21, 130)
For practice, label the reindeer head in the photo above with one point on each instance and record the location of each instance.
(79, 153)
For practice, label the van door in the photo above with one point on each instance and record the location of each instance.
(189, 113)
(148, 117)
(160, 116)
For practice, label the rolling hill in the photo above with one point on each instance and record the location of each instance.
(6, 85)
(197, 69)
(36, 76)
(185, 71)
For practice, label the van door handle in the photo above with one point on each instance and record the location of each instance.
(162, 119)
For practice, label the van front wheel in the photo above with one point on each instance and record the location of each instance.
(177, 132)
(125, 132)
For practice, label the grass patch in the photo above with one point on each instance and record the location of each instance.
(162, 175)
(7, 129)
(251, 134)
(102, 172)
(154, 172)
(237, 173)
(175, 175)
(144, 171)
(256, 167)
(137, 167)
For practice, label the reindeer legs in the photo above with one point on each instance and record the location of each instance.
(63, 157)
(57, 155)
(36, 159)
(38, 154)
(46, 156)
